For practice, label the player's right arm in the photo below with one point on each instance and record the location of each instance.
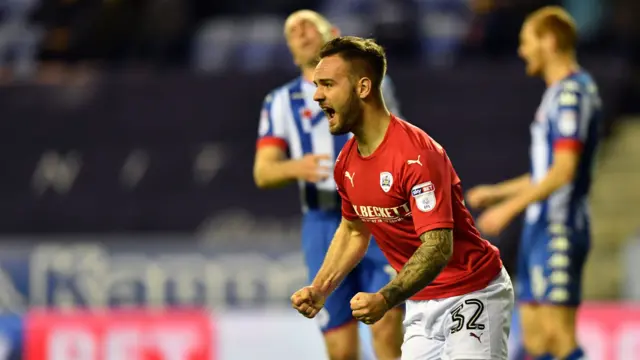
(349, 244)
(487, 195)
(348, 247)
(272, 167)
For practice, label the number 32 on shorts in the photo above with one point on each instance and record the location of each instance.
(470, 322)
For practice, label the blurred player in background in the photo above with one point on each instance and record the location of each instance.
(556, 235)
(293, 124)
(398, 184)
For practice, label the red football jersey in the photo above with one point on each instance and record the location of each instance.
(405, 188)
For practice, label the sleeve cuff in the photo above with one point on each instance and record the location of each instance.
(272, 141)
(568, 144)
(432, 226)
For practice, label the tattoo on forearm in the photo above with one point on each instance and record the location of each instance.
(422, 268)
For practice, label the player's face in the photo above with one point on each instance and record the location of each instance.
(531, 50)
(336, 94)
(304, 41)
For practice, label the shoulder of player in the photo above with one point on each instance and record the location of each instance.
(283, 90)
(413, 138)
(579, 83)
(415, 151)
(568, 92)
(279, 96)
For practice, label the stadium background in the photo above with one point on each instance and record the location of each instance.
(131, 227)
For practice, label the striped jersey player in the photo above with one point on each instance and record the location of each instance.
(554, 195)
(568, 118)
(295, 144)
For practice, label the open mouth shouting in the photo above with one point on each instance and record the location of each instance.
(329, 112)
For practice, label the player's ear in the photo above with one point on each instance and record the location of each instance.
(364, 87)
(548, 42)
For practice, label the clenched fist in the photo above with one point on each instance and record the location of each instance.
(308, 301)
(368, 308)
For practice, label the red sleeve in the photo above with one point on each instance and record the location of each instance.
(348, 212)
(428, 186)
(568, 144)
(272, 141)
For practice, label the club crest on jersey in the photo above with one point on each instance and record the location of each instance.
(425, 196)
(386, 180)
(568, 123)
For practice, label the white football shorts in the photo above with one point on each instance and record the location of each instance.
(474, 326)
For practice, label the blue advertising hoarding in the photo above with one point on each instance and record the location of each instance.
(146, 273)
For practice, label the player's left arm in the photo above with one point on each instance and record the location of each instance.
(422, 268)
(428, 188)
(568, 132)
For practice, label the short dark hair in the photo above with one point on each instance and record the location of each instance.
(558, 22)
(366, 55)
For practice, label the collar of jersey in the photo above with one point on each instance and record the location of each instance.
(382, 145)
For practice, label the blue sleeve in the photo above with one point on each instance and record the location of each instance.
(570, 120)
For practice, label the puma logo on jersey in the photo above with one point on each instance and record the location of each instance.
(416, 161)
(350, 177)
(476, 336)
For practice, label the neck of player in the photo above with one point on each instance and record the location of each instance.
(560, 68)
(373, 127)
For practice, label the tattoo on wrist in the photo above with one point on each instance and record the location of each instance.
(422, 268)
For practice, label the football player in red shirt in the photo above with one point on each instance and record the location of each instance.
(398, 184)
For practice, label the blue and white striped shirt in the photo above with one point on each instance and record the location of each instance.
(569, 116)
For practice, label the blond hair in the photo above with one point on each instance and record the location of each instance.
(322, 24)
(559, 23)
